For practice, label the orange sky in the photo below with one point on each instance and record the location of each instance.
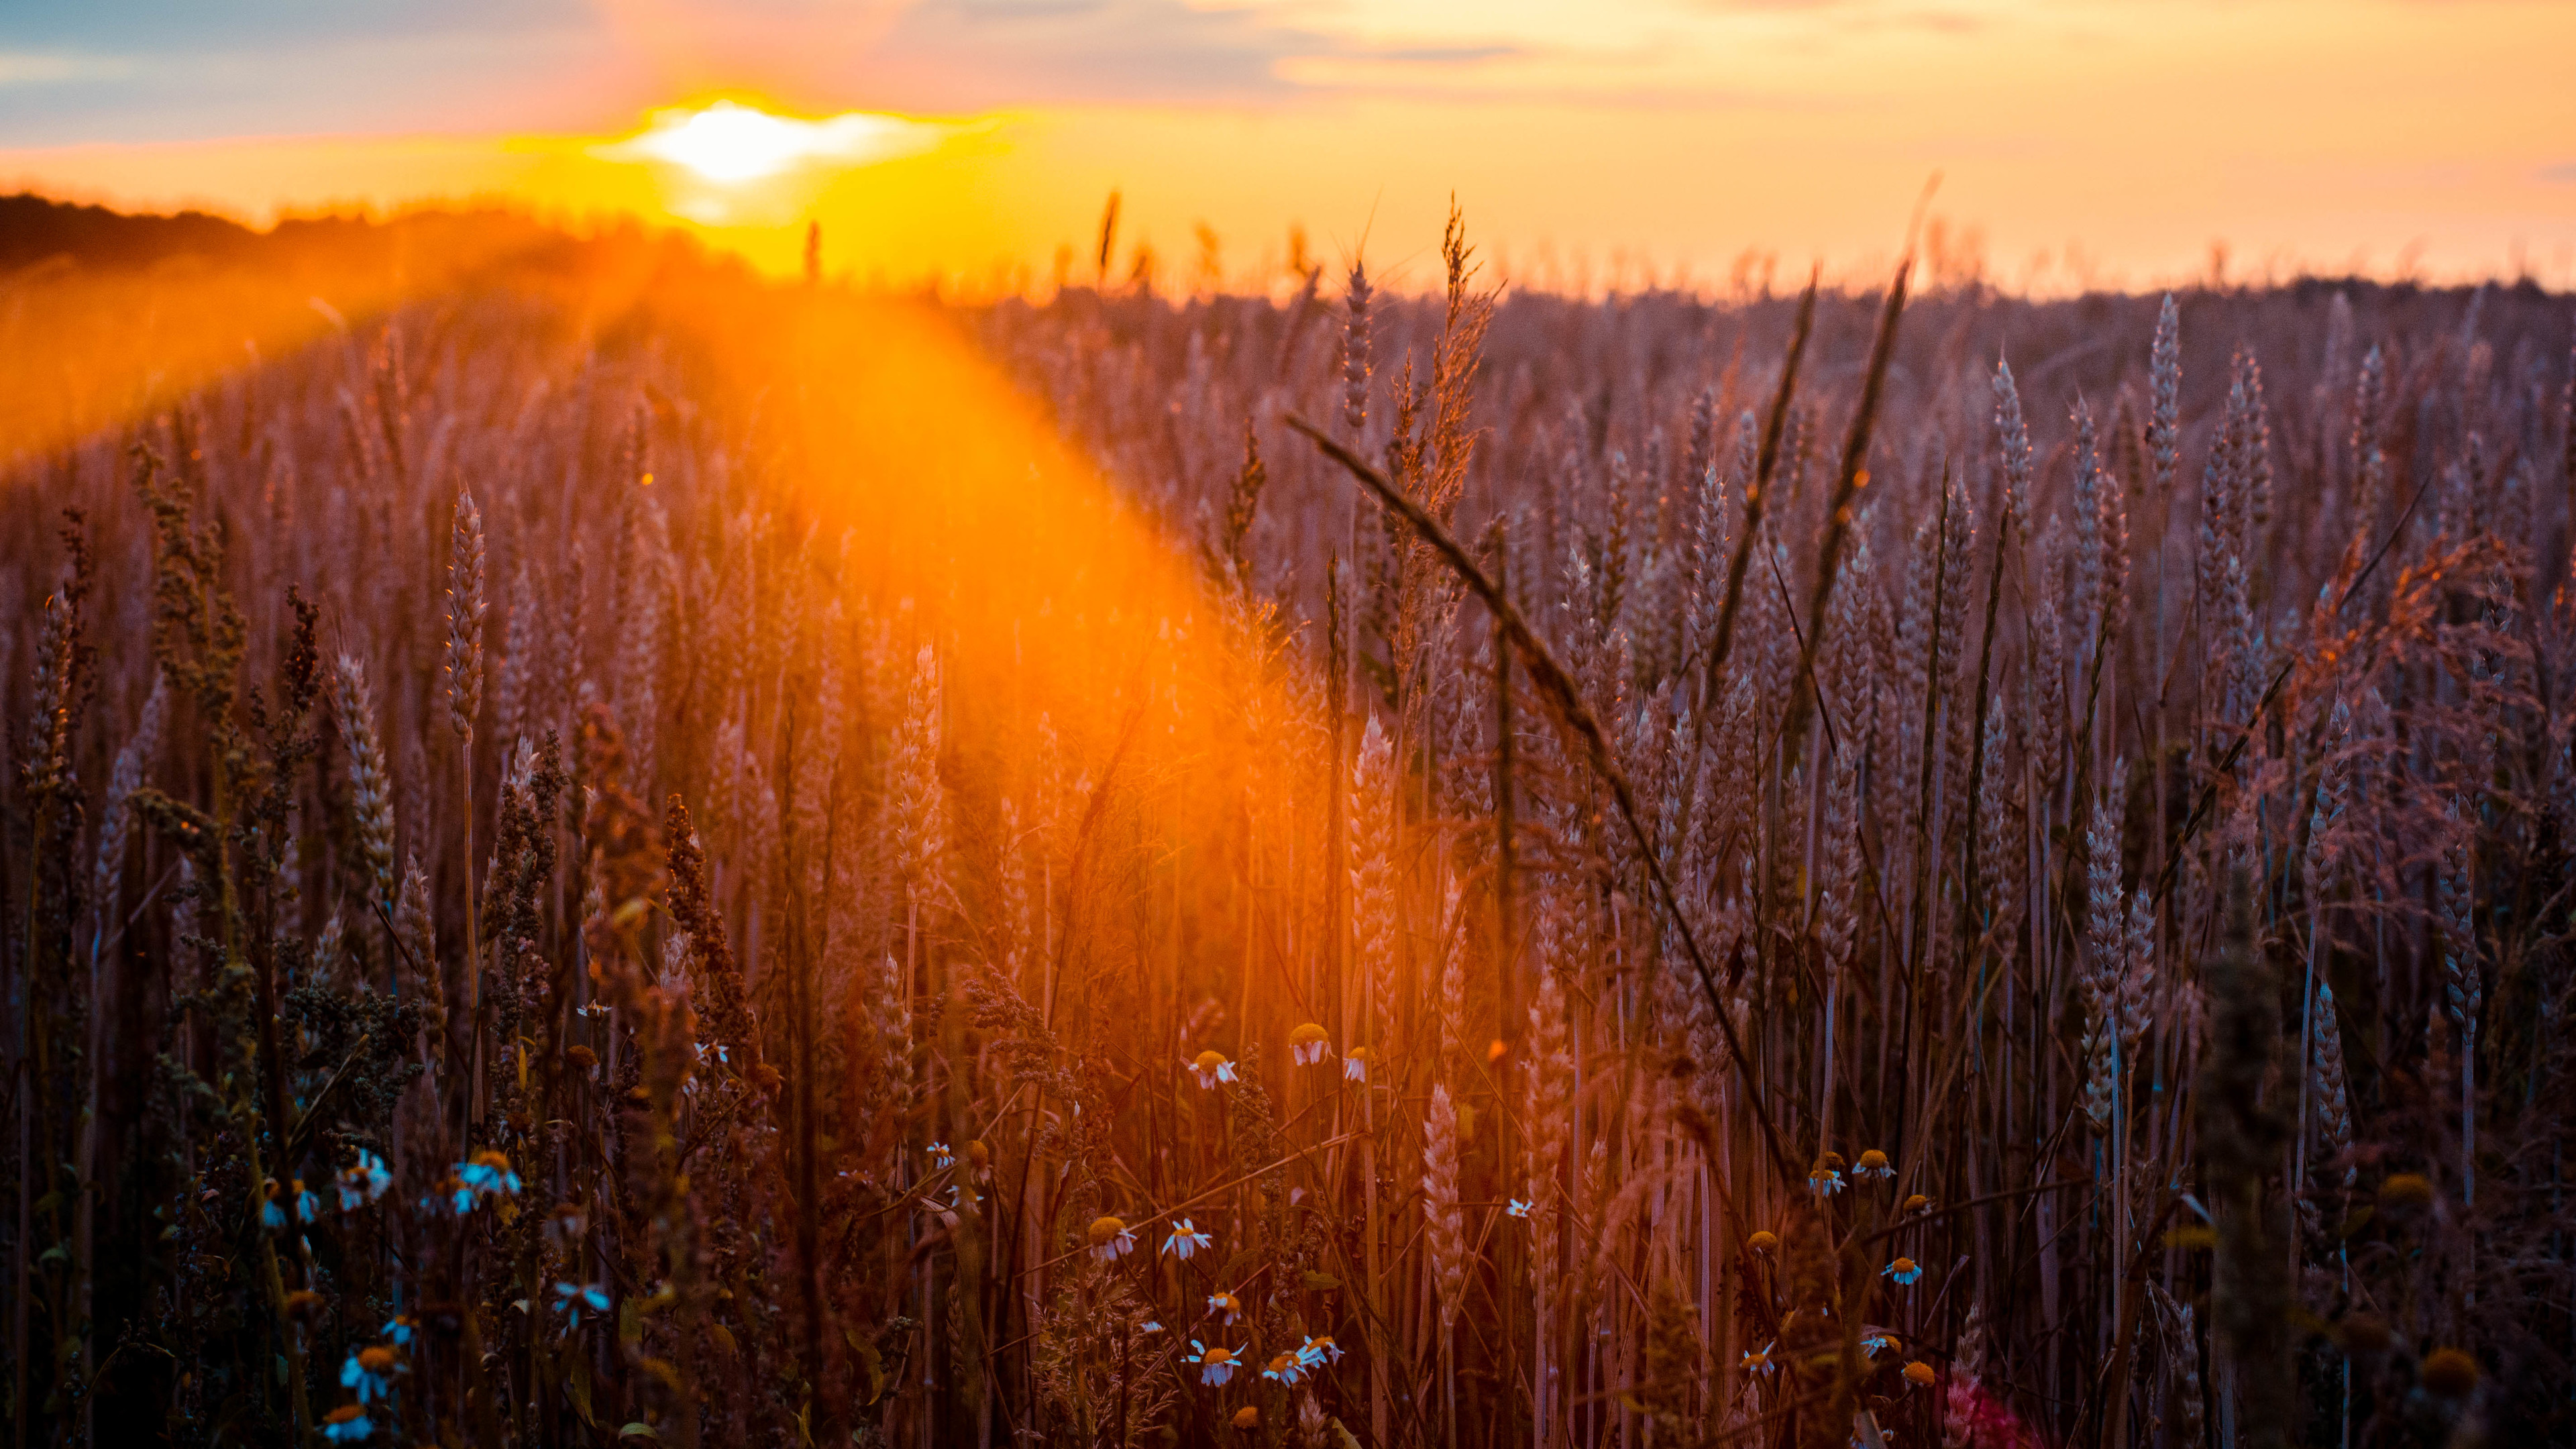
(1590, 145)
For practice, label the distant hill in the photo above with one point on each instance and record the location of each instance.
(35, 228)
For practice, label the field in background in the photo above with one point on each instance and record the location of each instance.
(599, 848)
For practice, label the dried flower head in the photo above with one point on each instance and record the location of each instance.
(2449, 1373)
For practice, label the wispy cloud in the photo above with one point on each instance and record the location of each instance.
(974, 54)
(40, 67)
(2563, 173)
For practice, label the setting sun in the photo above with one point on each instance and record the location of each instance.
(729, 143)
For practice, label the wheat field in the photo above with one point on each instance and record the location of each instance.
(610, 850)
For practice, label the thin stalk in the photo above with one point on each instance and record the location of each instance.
(1558, 689)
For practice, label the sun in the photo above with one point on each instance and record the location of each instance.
(727, 143)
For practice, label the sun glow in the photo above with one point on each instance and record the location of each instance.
(729, 144)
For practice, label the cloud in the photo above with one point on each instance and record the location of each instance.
(180, 27)
(1856, 16)
(974, 54)
(164, 70)
(2564, 173)
(1448, 54)
(37, 67)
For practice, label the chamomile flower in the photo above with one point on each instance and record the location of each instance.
(1227, 1306)
(1765, 1241)
(1319, 1350)
(1903, 1270)
(1916, 1204)
(363, 1182)
(566, 1223)
(272, 1215)
(1216, 1365)
(1186, 1239)
(399, 1329)
(1149, 1326)
(1355, 1066)
(371, 1372)
(941, 1158)
(571, 1299)
(1870, 1344)
(1111, 1239)
(1210, 1068)
(1824, 1181)
(1309, 1044)
(488, 1174)
(1758, 1360)
(1516, 1208)
(1285, 1369)
(347, 1424)
(1873, 1163)
(1919, 1374)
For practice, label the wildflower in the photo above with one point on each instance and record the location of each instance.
(1516, 1208)
(1111, 1239)
(308, 1205)
(371, 1372)
(1308, 1045)
(571, 1299)
(1873, 1163)
(2362, 1335)
(1763, 1242)
(363, 1182)
(1870, 1344)
(582, 1057)
(1285, 1368)
(2406, 1190)
(1211, 1068)
(1319, 1350)
(1248, 1417)
(2448, 1373)
(941, 1158)
(488, 1175)
(978, 1154)
(1917, 1203)
(566, 1223)
(1149, 1326)
(1759, 1360)
(1227, 1304)
(346, 1424)
(1216, 1365)
(1824, 1181)
(271, 1216)
(596, 1008)
(303, 1303)
(1355, 1066)
(1186, 1239)
(399, 1329)
(1920, 1374)
(1903, 1270)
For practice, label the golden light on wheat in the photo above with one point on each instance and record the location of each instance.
(607, 848)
